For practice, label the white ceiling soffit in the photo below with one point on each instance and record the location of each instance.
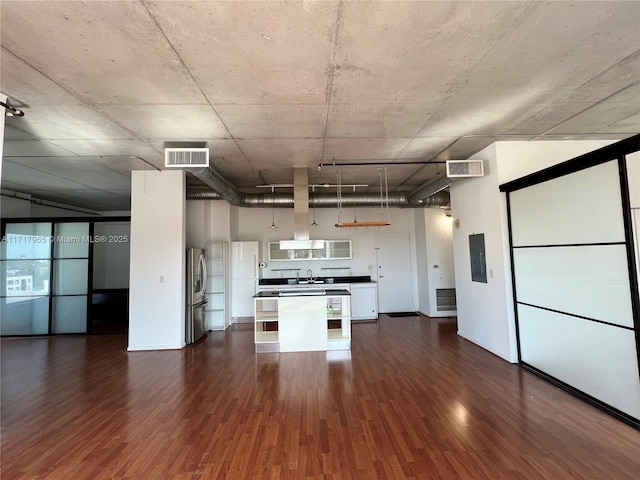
(273, 86)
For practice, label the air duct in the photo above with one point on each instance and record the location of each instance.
(429, 188)
(217, 183)
(429, 194)
(327, 200)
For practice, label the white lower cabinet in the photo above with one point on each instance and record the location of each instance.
(364, 301)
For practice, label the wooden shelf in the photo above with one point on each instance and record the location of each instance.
(362, 224)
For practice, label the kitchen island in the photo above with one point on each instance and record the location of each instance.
(301, 320)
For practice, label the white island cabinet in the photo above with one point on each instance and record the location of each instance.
(300, 321)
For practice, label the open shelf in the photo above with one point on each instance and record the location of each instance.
(337, 334)
(216, 285)
(266, 337)
(268, 316)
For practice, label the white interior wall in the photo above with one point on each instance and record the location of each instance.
(207, 221)
(440, 269)
(633, 173)
(485, 311)
(254, 225)
(15, 207)
(234, 214)
(157, 273)
(111, 259)
(422, 270)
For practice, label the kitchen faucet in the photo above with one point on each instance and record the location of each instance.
(310, 275)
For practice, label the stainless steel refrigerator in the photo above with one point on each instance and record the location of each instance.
(196, 294)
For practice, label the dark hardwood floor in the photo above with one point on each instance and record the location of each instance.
(411, 400)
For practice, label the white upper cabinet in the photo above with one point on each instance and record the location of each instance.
(333, 250)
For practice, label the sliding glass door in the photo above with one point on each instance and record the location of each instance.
(25, 279)
(575, 279)
(47, 271)
(70, 278)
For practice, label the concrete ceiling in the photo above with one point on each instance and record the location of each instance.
(270, 86)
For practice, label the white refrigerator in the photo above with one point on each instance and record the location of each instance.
(245, 259)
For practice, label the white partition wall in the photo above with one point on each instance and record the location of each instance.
(575, 279)
(158, 261)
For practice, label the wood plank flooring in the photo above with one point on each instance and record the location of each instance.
(411, 400)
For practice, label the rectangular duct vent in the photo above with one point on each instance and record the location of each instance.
(465, 168)
(445, 299)
(186, 157)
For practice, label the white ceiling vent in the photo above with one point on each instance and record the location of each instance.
(465, 168)
(186, 157)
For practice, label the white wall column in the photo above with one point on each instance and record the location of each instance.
(157, 274)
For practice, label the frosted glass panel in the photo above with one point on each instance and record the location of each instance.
(71, 240)
(215, 301)
(26, 241)
(214, 267)
(24, 316)
(70, 277)
(592, 281)
(215, 284)
(69, 315)
(215, 320)
(584, 207)
(595, 358)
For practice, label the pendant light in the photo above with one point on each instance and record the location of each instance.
(313, 200)
(273, 209)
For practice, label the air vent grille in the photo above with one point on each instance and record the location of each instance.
(465, 168)
(445, 299)
(186, 157)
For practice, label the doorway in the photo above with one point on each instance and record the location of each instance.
(395, 288)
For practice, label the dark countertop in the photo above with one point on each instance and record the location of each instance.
(328, 292)
(320, 280)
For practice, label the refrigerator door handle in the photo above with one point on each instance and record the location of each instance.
(203, 272)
